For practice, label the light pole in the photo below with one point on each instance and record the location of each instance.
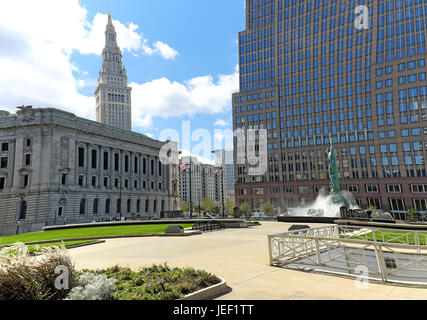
(120, 199)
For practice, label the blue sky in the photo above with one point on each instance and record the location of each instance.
(181, 58)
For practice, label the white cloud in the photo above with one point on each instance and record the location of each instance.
(186, 154)
(221, 123)
(165, 51)
(200, 95)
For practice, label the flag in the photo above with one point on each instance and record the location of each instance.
(218, 171)
(184, 167)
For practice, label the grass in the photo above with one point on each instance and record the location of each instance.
(86, 232)
(157, 282)
(394, 236)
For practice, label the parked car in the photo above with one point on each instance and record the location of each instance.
(258, 214)
(207, 216)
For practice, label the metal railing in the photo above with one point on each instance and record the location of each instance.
(389, 255)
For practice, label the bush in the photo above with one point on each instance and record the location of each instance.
(157, 282)
(25, 276)
(92, 287)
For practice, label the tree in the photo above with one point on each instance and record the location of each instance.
(185, 206)
(207, 204)
(245, 209)
(267, 208)
(229, 206)
(413, 215)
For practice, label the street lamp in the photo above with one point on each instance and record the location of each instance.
(120, 199)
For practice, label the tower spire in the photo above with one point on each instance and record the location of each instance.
(113, 96)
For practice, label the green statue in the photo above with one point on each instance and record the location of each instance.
(333, 168)
(336, 196)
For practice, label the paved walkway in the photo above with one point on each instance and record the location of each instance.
(241, 257)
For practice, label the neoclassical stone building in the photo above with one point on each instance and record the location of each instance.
(58, 168)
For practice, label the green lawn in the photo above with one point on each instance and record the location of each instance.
(98, 232)
(392, 237)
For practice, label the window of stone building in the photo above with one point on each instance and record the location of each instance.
(116, 162)
(138, 206)
(129, 204)
(81, 157)
(152, 167)
(28, 159)
(135, 184)
(147, 205)
(135, 167)
(155, 206)
(64, 179)
(107, 206)
(95, 206)
(28, 142)
(81, 180)
(144, 166)
(3, 162)
(25, 180)
(105, 160)
(144, 185)
(126, 183)
(82, 206)
(2, 183)
(22, 210)
(106, 182)
(126, 163)
(119, 205)
(94, 181)
(5, 147)
(94, 159)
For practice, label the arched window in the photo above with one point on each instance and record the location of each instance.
(95, 206)
(107, 206)
(83, 206)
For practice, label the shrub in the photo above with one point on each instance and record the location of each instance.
(157, 282)
(92, 287)
(25, 276)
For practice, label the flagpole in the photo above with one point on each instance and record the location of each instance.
(191, 193)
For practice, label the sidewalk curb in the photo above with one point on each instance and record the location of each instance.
(208, 293)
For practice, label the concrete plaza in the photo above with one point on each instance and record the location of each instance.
(240, 256)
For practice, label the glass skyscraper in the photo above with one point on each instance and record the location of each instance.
(308, 72)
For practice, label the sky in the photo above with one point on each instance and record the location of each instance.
(181, 59)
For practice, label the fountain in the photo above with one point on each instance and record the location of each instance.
(328, 205)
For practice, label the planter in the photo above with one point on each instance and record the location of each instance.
(208, 293)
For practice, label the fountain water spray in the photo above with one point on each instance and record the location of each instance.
(328, 205)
